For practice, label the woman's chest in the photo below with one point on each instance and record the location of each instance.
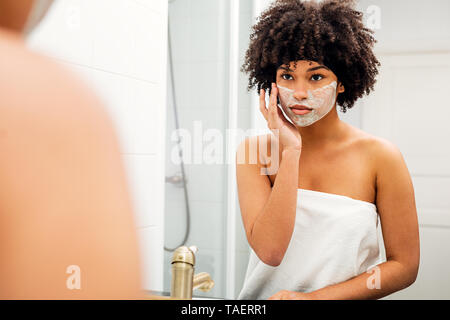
(349, 174)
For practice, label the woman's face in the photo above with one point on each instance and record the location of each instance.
(307, 92)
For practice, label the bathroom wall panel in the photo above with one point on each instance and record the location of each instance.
(152, 255)
(66, 32)
(175, 212)
(147, 188)
(135, 34)
(180, 33)
(208, 222)
(137, 109)
(201, 84)
(201, 179)
(159, 7)
(115, 34)
(198, 121)
(150, 47)
(418, 104)
(432, 199)
(182, 79)
(199, 47)
(206, 20)
(410, 25)
(111, 35)
(127, 101)
(180, 12)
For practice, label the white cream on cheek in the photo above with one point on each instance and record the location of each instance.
(321, 100)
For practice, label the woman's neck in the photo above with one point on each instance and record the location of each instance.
(329, 129)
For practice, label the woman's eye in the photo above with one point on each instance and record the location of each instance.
(317, 77)
(286, 76)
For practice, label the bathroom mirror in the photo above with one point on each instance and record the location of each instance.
(168, 72)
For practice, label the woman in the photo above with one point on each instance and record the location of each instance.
(312, 224)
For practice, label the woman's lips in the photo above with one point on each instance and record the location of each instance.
(300, 110)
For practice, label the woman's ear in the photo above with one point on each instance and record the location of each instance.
(340, 87)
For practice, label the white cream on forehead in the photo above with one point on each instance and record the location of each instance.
(320, 100)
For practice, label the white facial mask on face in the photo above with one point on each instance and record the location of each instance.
(320, 100)
(38, 11)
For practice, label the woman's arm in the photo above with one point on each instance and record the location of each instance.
(396, 206)
(378, 282)
(268, 213)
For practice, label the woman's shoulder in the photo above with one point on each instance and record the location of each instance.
(377, 148)
(31, 81)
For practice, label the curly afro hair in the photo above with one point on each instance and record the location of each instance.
(330, 32)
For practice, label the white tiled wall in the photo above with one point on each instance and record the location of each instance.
(198, 37)
(408, 26)
(120, 48)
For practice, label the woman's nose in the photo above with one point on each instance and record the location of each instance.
(300, 92)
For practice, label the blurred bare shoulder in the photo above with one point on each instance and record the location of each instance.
(63, 189)
(36, 84)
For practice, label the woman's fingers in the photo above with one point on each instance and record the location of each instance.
(270, 113)
(283, 117)
(273, 106)
(262, 103)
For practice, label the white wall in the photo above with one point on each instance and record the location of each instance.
(410, 25)
(199, 48)
(120, 48)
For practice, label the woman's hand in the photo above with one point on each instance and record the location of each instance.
(287, 134)
(291, 295)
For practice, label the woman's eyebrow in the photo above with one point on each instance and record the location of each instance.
(318, 67)
(286, 68)
(309, 70)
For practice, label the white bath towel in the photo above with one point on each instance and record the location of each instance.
(335, 238)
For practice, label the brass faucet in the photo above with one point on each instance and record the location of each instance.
(183, 279)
